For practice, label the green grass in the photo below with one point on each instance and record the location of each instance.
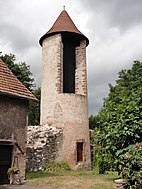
(73, 179)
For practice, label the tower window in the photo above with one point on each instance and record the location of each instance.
(70, 42)
(69, 68)
(79, 151)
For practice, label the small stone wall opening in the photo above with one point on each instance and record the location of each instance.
(79, 151)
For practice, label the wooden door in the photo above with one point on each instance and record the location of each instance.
(79, 151)
(5, 162)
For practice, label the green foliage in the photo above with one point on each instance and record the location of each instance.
(37, 174)
(121, 116)
(120, 122)
(93, 122)
(102, 160)
(12, 170)
(129, 161)
(34, 109)
(21, 70)
(56, 167)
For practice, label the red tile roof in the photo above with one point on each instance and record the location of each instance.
(11, 86)
(63, 24)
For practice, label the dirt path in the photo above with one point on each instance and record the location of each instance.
(25, 186)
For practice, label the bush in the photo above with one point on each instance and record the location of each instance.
(57, 167)
(102, 160)
(13, 170)
(129, 161)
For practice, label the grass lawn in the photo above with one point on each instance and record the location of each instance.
(73, 180)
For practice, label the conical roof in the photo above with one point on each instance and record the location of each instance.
(63, 24)
(11, 86)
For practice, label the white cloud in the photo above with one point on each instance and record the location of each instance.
(114, 30)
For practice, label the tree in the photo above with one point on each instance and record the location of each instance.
(34, 109)
(101, 159)
(23, 73)
(21, 70)
(93, 122)
(121, 116)
(121, 124)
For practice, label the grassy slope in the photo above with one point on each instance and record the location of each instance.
(73, 180)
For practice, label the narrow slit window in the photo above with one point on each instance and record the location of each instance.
(79, 151)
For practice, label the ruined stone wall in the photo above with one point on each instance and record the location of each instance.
(13, 125)
(44, 145)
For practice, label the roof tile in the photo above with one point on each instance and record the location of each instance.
(10, 85)
(63, 24)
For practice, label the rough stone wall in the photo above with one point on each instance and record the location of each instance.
(44, 145)
(51, 95)
(81, 73)
(71, 113)
(51, 74)
(13, 126)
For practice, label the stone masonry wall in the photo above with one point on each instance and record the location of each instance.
(51, 74)
(81, 73)
(43, 146)
(65, 110)
(13, 126)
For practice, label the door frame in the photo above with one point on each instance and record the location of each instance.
(9, 143)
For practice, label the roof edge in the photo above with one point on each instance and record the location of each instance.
(18, 96)
(63, 23)
(24, 93)
(46, 35)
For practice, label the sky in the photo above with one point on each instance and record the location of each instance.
(114, 29)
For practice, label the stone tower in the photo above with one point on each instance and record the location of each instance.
(64, 99)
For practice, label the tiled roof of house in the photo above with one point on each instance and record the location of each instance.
(63, 24)
(11, 86)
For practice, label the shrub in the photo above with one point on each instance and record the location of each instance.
(102, 160)
(57, 167)
(129, 161)
(13, 170)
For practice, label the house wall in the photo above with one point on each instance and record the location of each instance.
(13, 126)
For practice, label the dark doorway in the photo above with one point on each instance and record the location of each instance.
(79, 151)
(5, 162)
